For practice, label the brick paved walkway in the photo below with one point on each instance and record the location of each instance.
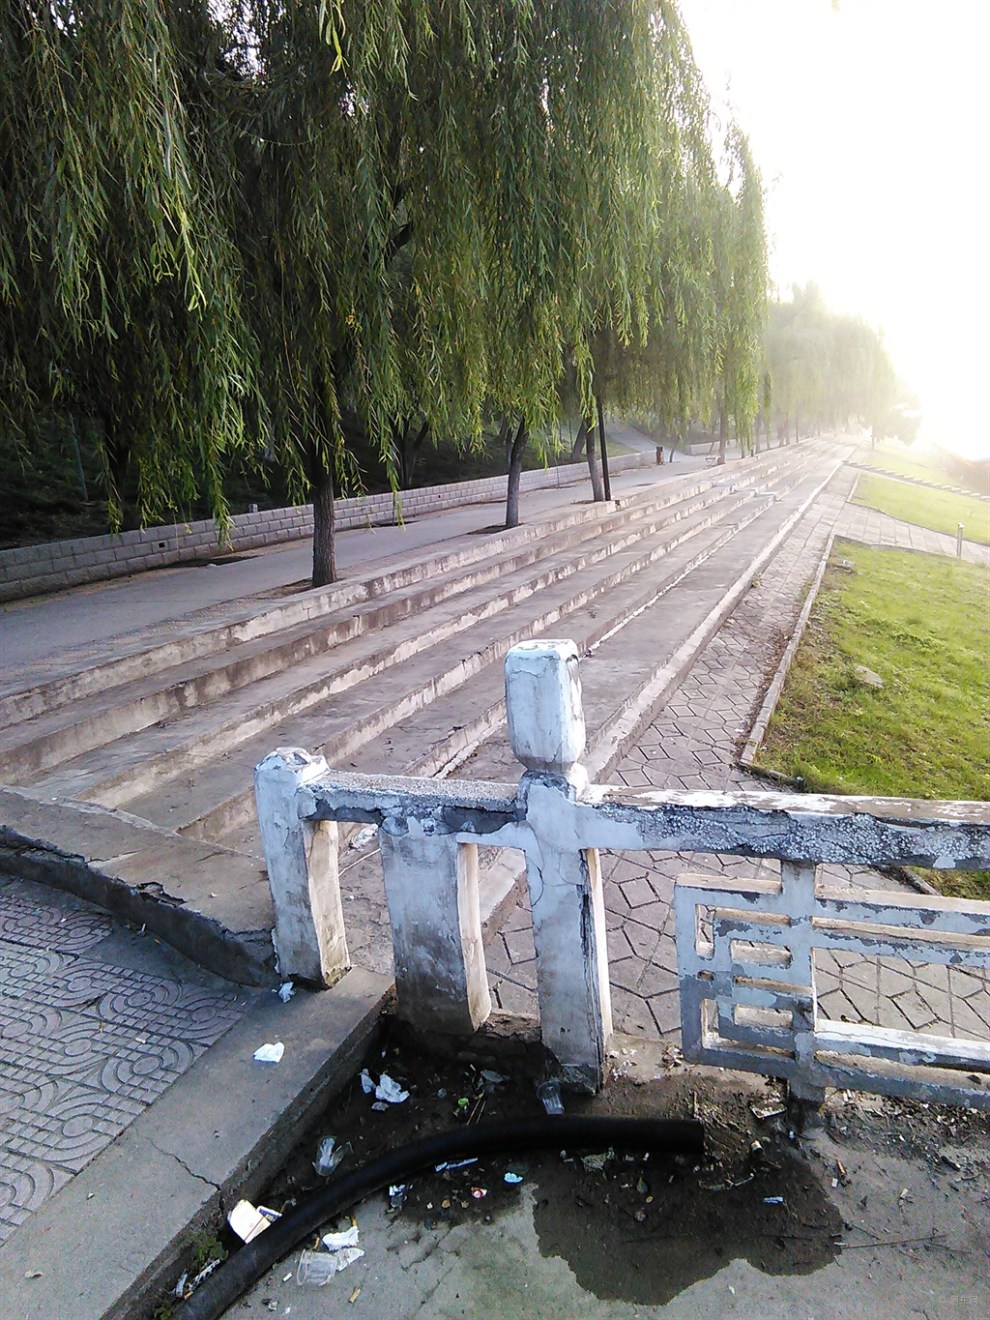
(86, 1040)
(693, 744)
(875, 528)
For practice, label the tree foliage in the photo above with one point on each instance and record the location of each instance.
(271, 226)
(120, 292)
(826, 369)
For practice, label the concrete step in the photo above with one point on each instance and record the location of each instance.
(114, 660)
(212, 798)
(212, 900)
(132, 765)
(220, 795)
(136, 655)
(122, 707)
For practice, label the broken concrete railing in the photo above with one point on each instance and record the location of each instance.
(745, 951)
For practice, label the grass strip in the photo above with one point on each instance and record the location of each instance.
(922, 623)
(938, 510)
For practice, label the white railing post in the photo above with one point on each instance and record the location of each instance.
(797, 881)
(301, 856)
(431, 885)
(546, 729)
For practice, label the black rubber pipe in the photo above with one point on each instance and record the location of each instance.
(231, 1280)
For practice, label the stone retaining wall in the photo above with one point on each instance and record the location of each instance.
(34, 569)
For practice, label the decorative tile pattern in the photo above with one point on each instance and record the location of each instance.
(44, 926)
(84, 1045)
(24, 1186)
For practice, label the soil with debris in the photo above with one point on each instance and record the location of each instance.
(786, 1202)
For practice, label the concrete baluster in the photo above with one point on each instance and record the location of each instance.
(310, 942)
(546, 729)
(431, 885)
(798, 883)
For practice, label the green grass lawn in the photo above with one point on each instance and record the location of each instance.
(940, 510)
(922, 622)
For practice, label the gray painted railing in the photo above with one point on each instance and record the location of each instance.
(745, 950)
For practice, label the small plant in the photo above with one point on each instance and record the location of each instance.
(206, 1246)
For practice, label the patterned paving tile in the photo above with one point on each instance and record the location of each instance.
(66, 1124)
(85, 1045)
(42, 926)
(25, 1185)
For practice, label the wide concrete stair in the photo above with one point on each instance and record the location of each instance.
(397, 671)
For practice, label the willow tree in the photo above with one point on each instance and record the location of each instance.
(658, 360)
(120, 291)
(826, 368)
(279, 223)
(421, 184)
(740, 292)
(690, 340)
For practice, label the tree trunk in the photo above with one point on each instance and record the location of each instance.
(411, 450)
(505, 439)
(597, 489)
(324, 544)
(722, 435)
(117, 457)
(604, 452)
(580, 443)
(515, 473)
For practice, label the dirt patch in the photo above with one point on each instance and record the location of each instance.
(752, 1194)
(899, 1186)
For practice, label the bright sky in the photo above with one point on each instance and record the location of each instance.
(870, 120)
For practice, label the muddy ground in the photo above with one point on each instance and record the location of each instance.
(893, 1191)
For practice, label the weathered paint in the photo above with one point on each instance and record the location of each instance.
(756, 1009)
(431, 886)
(301, 856)
(843, 831)
(811, 1053)
(543, 703)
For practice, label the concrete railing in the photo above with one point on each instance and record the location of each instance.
(32, 569)
(745, 951)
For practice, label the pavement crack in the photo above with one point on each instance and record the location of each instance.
(183, 1165)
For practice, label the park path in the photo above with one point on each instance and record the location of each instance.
(872, 527)
(97, 1021)
(694, 743)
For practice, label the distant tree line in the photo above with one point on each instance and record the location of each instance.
(826, 370)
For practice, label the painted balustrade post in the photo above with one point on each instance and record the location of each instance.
(431, 886)
(546, 729)
(301, 855)
(798, 881)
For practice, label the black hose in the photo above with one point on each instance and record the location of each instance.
(227, 1284)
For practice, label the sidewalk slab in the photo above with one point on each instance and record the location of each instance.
(109, 1241)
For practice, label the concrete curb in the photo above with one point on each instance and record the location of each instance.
(112, 1238)
(139, 873)
(769, 705)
